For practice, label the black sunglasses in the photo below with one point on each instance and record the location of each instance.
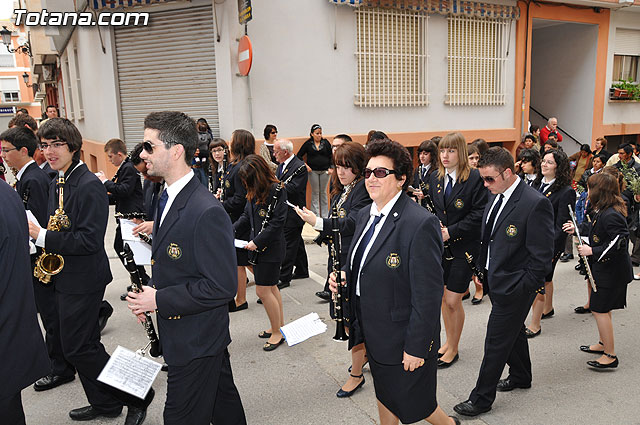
(148, 147)
(379, 172)
(490, 179)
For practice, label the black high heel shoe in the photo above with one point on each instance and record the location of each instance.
(597, 365)
(342, 393)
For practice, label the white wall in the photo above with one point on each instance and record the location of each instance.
(298, 79)
(563, 71)
(620, 112)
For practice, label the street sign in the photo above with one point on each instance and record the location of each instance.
(8, 110)
(245, 55)
(245, 13)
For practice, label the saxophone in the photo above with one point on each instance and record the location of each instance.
(49, 264)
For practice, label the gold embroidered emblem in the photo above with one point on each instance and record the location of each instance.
(227, 184)
(595, 238)
(511, 230)
(174, 251)
(262, 212)
(393, 261)
(426, 186)
(459, 203)
(342, 213)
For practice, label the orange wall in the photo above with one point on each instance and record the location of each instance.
(92, 154)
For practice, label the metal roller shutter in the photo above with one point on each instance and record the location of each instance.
(627, 42)
(168, 65)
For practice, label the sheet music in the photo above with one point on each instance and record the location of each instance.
(239, 243)
(130, 372)
(126, 228)
(31, 217)
(303, 329)
(141, 252)
(32, 246)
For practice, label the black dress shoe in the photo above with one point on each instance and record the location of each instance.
(549, 314)
(233, 307)
(587, 349)
(443, 365)
(581, 310)
(51, 381)
(597, 365)
(505, 385)
(467, 408)
(466, 296)
(325, 295)
(566, 257)
(136, 414)
(578, 266)
(282, 285)
(476, 301)
(343, 394)
(89, 413)
(300, 276)
(270, 347)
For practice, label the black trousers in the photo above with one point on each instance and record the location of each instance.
(81, 346)
(48, 309)
(11, 410)
(295, 254)
(505, 343)
(118, 246)
(203, 392)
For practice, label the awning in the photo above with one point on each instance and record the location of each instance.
(442, 7)
(115, 4)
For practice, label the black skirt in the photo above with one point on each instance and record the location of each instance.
(457, 275)
(266, 274)
(607, 299)
(242, 257)
(549, 277)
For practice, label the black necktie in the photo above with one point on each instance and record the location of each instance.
(543, 187)
(488, 228)
(357, 257)
(162, 202)
(447, 189)
(279, 172)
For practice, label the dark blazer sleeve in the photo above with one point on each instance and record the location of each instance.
(426, 286)
(539, 233)
(298, 184)
(348, 224)
(567, 197)
(217, 283)
(243, 224)
(471, 223)
(236, 203)
(126, 184)
(90, 221)
(615, 225)
(38, 200)
(273, 229)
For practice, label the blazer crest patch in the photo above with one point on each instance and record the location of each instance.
(227, 184)
(262, 212)
(511, 230)
(393, 260)
(459, 203)
(342, 213)
(595, 238)
(174, 251)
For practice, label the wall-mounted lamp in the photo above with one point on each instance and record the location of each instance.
(25, 77)
(6, 40)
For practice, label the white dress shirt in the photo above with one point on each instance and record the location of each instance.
(21, 172)
(173, 190)
(507, 194)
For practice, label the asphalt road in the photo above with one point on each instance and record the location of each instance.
(296, 385)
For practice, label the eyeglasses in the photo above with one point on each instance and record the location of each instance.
(379, 172)
(56, 144)
(217, 150)
(490, 179)
(7, 150)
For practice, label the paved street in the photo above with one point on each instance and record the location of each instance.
(297, 385)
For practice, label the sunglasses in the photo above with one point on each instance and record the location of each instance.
(490, 179)
(379, 172)
(274, 132)
(148, 147)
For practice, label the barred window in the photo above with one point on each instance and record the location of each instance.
(477, 59)
(391, 50)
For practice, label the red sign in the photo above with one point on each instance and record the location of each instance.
(245, 55)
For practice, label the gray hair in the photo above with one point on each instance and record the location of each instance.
(285, 144)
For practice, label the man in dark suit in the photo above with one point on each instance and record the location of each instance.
(292, 171)
(32, 185)
(191, 288)
(23, 355)
(516, 229)
(79, 287)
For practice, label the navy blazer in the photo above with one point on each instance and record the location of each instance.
(34, 187)
(614, 268)
(125, 189)
(296, 189)
(194, 270)
(401, 285)
(270, 241)
(521, 254)
(86, 266)
(357, 199)
(23, 354)
(49, 171)
(560, 199)
(462, 213)
(150, 193)
(235, 194)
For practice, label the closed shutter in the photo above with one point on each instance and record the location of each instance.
(627, 42)
(169, 65)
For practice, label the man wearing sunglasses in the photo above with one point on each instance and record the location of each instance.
(79, 288)
(516, 254)
(193, 280)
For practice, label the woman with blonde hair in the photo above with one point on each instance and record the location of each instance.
(459, 198)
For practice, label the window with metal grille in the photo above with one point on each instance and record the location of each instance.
(391, 50)
(477, 59)
(66, 79)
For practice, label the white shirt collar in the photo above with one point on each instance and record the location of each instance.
(387, 208)
(24, 167)
(531, 176)
(454, 176)
(286, 162)
(548, 183)
(507, 193)
(178, 185)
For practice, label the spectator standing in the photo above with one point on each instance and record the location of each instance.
(266, 149)
(580, 162)
(318, 159)
(551, 127)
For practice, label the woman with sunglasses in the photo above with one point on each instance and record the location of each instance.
(554, 182)
(266, 149)
(459, 198)
(348, 196)
(608, 255)
(263, 218)
(317, 149)
(394, 284)
(428, 156)
(234, 199)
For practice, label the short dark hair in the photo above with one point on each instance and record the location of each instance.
(243, 144)
(553, 134)
(344, 137)
(21, 137)
(533, 128)
(378, 135)
(530, 155)
(626, 147)
(601, 157)
(530, 137)
(21, 120)
(482, 145)
(175, 128)
(497, 157)
(436, 140)
(51, 106)
(65, 130)
(267, 131)
(115, 146)
(135, 154)
(585, 148)
(402, 163)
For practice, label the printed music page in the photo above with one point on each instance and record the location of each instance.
(303, 329)
(130, 372)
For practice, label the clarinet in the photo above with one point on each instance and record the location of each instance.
(587, 267)
(338, 298)
(253, 255)
(225, 161)
(295, 173)
(474, 268)
(432, 209)
(136, 286)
